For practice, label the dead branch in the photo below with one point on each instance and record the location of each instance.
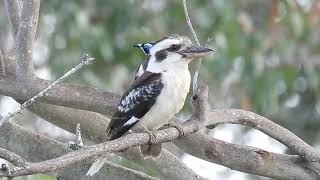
(2, 65)
(25, 38)
(86, 61)
(195, 37)
(39, 148)
(13, 13)
(247, 159)
(289, 139)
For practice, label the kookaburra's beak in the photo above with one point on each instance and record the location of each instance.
(194, 52)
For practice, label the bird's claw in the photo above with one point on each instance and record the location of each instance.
(177, 126)
(152, 136)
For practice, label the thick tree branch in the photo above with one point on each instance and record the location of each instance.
(86, 60)
(238, 116)
(246, 159)
(66, 95)
(25, 39)
(12, 157)
(73, 96)
(93, 125)
(166, 167)
(13, 13)
(39, 148)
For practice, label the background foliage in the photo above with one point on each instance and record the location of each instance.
(267, 53)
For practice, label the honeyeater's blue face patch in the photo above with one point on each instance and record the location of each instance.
(145, 47)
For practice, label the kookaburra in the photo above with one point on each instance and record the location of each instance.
(157, 94)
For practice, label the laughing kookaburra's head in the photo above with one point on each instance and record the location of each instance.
(169, 51)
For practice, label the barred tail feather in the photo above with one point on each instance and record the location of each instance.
(152, 151)
(96, 166)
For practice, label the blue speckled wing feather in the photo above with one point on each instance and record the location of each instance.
(135, 103)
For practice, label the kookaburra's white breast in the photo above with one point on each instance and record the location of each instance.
(176, 84)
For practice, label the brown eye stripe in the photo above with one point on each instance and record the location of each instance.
(174, 47)
(161, 55)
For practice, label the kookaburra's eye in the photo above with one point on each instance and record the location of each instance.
(174, 47)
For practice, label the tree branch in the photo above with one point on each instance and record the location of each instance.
(195, 38)
(167, 166)
(39, 148)
(25, 39)
(86, 60)
(74, 157)
(13, 13)
(238, 116)
(190, 26)
(246, 159)
(2, 65)
(66, 95)
(12, 157)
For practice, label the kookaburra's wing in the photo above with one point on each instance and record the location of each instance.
(135, 103)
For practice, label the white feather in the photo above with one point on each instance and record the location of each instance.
(96, 166)
(164, 44)
(131, 121)
(176, 81)
(140, 71)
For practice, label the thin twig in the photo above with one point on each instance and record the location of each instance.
(86, 61)
(195, 37)
(2, 65)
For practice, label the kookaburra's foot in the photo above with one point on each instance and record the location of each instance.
(152, 136)
(152, 151)
(177, 126)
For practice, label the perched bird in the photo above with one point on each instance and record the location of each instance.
(145, 47)
(157, 94)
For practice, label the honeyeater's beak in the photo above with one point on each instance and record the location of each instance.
(194, 52)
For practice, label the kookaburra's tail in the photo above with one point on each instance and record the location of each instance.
(152, 151)
(96, 166)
